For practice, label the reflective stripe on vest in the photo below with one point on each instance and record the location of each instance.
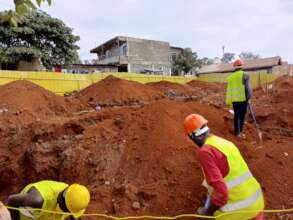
(239, 180)
(235, 88)
(242, 204)
(243, 188)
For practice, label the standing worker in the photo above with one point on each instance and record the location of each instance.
(51, 196)
(231, 186)
(238, 95)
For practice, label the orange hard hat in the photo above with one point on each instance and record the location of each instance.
(238, 63)
(193, 122)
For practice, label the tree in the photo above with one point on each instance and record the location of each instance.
(38, 36)
(228, 57)
(206, 61)
(22, 7)
(185, 61)
(246, 55)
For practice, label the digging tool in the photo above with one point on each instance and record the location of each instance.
(255, 123)
(4, 213)
(27, 213)
(208, 202)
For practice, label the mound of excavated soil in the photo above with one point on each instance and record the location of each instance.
(211, 87)
(135, 160)
(213, 93)
(170, 88)
(113, 90)
(28, 100)
(274, 109)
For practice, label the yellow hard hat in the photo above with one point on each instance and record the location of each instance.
(77, 198)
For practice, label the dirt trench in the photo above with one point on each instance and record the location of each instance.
(135, 159)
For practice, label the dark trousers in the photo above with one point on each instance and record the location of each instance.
(240, 109)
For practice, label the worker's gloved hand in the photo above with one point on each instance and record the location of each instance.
(4, 213)
(202, 211)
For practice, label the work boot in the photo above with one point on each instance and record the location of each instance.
(241, 135)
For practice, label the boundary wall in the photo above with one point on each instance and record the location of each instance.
(61, 83)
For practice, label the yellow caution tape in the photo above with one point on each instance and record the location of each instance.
(157, 217)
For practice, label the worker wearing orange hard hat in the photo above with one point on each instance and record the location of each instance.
(231, 186)
(71, 200)
(238, 94)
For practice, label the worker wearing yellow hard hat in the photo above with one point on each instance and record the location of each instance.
(70, 201)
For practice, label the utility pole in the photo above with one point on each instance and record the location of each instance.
(223, 49)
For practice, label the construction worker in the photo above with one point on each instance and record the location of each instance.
(231, 186)
(51, 196)
(238, 94)
(4, 213)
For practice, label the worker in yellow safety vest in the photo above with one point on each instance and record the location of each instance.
(238, 95)
(50, 196)
(231, 186)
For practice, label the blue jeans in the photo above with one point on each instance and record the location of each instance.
(240, 109)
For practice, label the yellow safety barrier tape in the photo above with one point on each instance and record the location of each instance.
(157, 217)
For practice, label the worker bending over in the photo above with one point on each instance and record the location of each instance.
(231, 186)
(238, 95)
(52, 196)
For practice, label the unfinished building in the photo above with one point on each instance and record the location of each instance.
(137, 55)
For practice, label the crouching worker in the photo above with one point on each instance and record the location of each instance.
(51, 196)
(232, 189)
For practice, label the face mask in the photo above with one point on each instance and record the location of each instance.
(61, 201)
(199, 140)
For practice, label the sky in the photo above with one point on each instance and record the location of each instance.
(264, 27)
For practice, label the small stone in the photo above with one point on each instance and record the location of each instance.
(79, 136)
(107, 182)
(136, 205)
(286, 154)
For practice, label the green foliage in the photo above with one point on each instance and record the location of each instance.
(246, 55)
(41, 36)
(185, 62)
(206, 61)
(22, 7)
(228, 57)
(15, 54)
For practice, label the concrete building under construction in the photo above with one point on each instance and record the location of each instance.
(137, 55)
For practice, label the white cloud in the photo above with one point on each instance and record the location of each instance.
(260, 26)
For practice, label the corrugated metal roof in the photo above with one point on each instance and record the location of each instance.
(248, 65)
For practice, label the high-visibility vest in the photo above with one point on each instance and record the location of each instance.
(244, 192)
(49, 190)
(235, 88)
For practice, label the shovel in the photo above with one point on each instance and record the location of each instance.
(255, 123)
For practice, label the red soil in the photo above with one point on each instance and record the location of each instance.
(170, 88)
(113, 90)
(26, 101)
(136, 155)
(274, 109)
(216, 87)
